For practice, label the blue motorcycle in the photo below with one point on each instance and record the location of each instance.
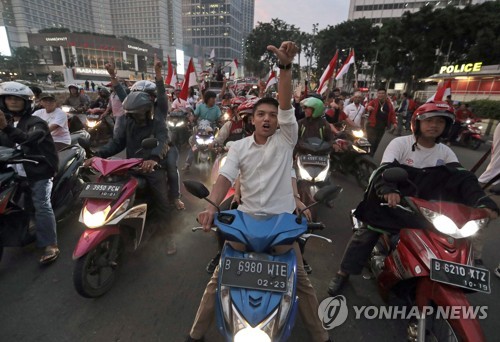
(256, 292)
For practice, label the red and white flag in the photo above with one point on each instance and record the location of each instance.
(234, 69)
(171, 78)
(441, 92)
(327, 74)
(345, 67)
(272, 79)
(190, 80)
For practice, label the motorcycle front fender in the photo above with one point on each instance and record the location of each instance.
(93, 237)
(429, 291)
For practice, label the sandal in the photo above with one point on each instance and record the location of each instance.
(179, 204)
(50, 255)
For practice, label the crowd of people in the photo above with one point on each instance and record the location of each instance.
(266, 133)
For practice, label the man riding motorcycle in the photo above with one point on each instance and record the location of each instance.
(16, 122)
(76, 100)
(314, 125)
(431, 165)
(141, 123)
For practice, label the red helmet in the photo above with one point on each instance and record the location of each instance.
(431, 109)
(247, 106)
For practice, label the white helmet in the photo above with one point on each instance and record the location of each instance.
(145, 86)
(19, 90)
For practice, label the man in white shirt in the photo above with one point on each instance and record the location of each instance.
(179, 103)
(264, 161)
(421, 150)
(57, 120)
(355, 110)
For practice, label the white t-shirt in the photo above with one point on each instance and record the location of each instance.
(400, 149)
(264, 170)
(59, 118)
(355, 113)
(493, 167)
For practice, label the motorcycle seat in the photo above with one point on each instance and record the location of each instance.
(65, 157)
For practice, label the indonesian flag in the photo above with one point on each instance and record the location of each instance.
(345, 67)
(441, 92)
(171, 78)
(327, 74)
(189, 80)
(234, 69)
(272, 79)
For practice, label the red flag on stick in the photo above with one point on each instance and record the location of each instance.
(189, 80)
(272, 79)
(345, 67)
(171, 78)
(327, 74)
(441, 92)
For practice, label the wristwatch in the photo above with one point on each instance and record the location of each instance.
(284, 67)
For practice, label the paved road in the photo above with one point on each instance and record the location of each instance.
(156, 295)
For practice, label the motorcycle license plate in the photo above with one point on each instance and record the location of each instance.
(101, 190)
(93, 116)
(254, 274)
(314, 160)
(460, 275)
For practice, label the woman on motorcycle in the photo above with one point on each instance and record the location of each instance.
(431, 165)
(16, 122)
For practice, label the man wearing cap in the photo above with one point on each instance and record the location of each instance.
(56, 119)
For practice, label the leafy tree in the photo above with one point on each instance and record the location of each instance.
(23, 59)
(258, 58)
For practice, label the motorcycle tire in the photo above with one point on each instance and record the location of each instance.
(474, 144)
(439, 329)
(87, 273)
(363, 171)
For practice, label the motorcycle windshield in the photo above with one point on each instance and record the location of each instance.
(314, 146)
(108, 166)
(259, 233)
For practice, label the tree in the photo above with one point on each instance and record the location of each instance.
(257, 58)
(24, 59)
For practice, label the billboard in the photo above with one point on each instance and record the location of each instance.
(179, 57)
(4, 42)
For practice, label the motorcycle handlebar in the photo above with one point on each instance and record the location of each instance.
(316, 226)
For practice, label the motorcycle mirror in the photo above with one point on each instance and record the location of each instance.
(196, 189)
(199, 190)
(395, 175)
(149, 143)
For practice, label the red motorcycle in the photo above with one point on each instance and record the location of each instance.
(114, 220)
(432, 268)
(470, 134)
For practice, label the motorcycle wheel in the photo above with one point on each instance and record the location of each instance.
(95, 272)
(363, 172)
(474, 144)
(438, 329)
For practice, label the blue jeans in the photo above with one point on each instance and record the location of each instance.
(45, 221)
(173, 173)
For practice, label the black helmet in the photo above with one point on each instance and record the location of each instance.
(138, 105)
(104, 92)
(19, 90)
(145, 86)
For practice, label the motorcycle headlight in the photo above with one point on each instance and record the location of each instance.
(468, 121)
(358, 133)
(91, 123)
(226, 116)
(97, 219)
(171, 124)
(250, 334)
(446, 226)
(303, 172)
(180, 124)
(66, 109)
(322, 175)
(358, 149)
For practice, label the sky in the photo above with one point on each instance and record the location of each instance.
(303, 13)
